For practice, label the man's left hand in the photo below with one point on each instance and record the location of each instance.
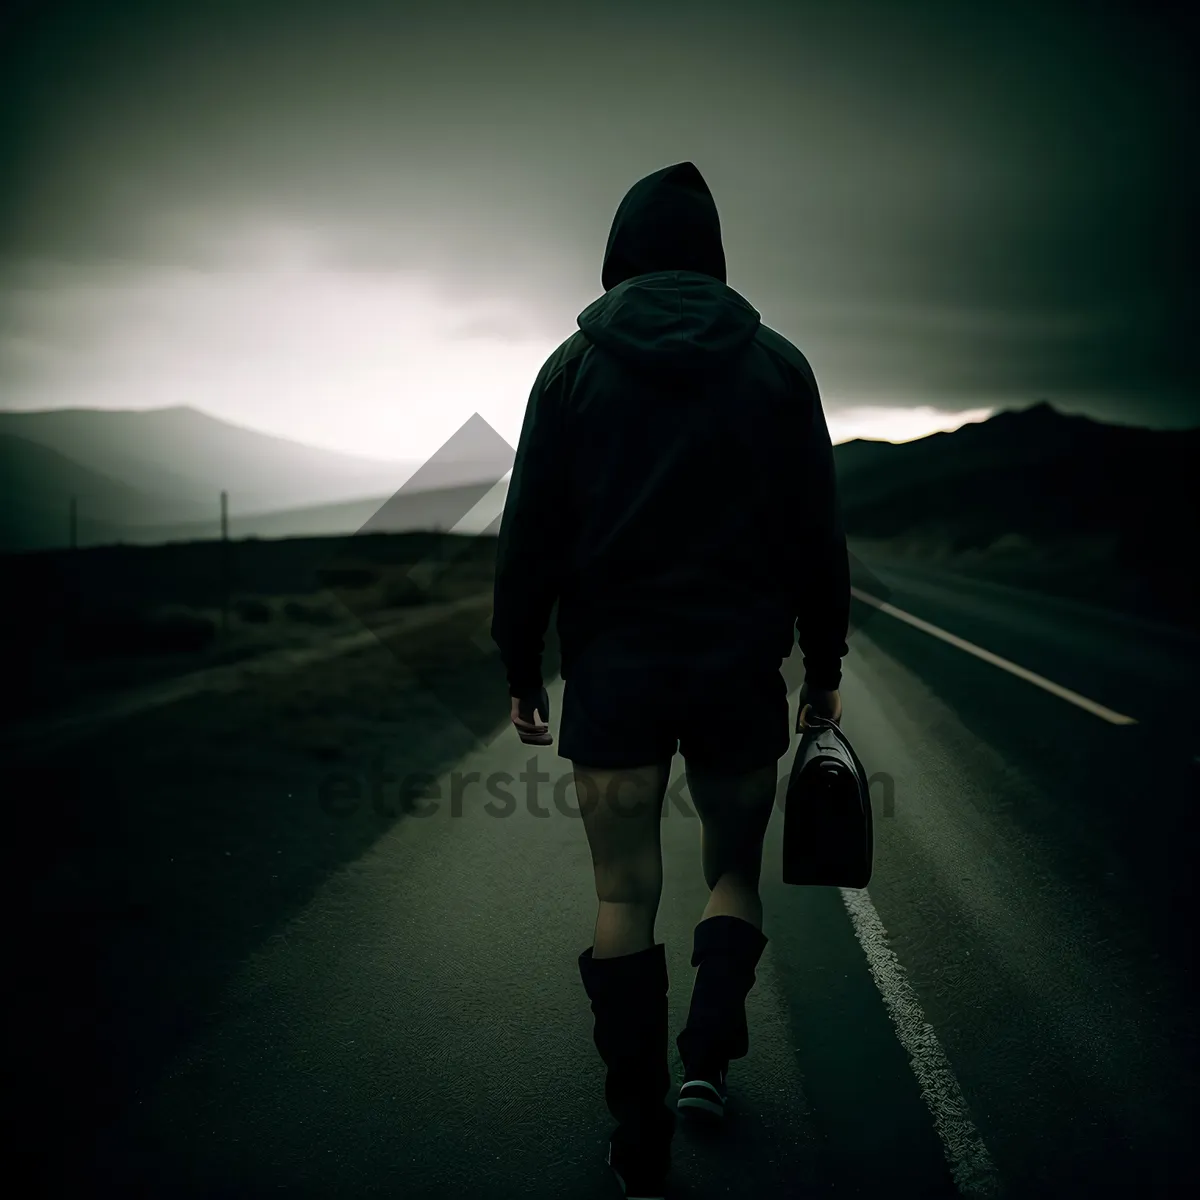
(531, 716)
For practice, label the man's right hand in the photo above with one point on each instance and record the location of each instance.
(822, 702)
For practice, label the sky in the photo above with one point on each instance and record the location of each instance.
(356, 224)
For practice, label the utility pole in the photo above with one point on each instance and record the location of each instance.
(224, 562)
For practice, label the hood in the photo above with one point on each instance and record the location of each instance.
(666, 302)
(666, 222)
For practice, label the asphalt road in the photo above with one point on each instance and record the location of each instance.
(1007, 1010)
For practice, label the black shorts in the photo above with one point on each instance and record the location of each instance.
(622, 716)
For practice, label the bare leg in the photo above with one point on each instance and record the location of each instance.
(622, 816)
(735, 810)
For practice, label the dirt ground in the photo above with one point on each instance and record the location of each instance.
(148, 855)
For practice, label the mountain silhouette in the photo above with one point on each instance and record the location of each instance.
(1040, 495)
(190, 457)
(1033, 481)
(37, 485)
(156, 475)
(1035, 472)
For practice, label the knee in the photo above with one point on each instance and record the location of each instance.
(740, 875)
(629, 882)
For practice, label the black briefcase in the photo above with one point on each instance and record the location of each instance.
(828, 839)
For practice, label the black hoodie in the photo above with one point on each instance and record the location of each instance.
(674, 486)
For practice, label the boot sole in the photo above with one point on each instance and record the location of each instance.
(698, 1106)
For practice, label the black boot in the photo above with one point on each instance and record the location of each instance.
(629, 1002)
(726, 951)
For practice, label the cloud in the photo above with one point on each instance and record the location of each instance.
(375, 365)
(889, 423)
(496, 327)
(942, 205)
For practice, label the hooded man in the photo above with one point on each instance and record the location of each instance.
(674, 493)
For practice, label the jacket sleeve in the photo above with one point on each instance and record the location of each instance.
(530, 544)
(823, 603)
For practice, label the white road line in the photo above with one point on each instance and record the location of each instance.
(1056, 689)
(971, 1165)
